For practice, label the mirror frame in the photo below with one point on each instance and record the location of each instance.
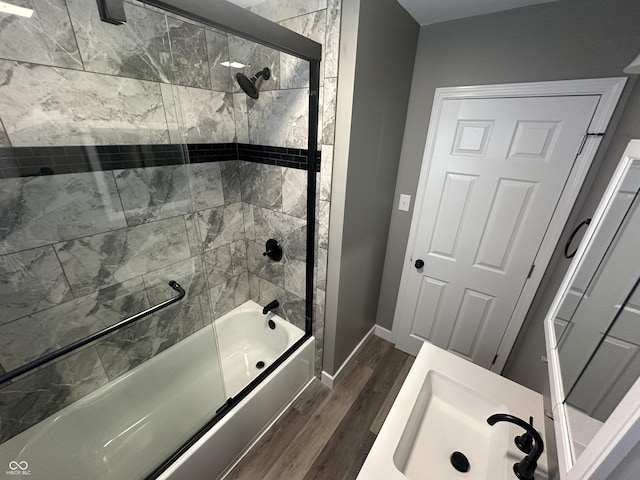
(621, 432)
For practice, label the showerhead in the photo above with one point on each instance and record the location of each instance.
(248, 85)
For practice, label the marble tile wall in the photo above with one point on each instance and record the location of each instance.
(67, 78)
(320, 21)
(96, 247)
(83, 251)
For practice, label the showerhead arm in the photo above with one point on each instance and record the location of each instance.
(248, 85)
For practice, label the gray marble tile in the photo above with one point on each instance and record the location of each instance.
(231, 186)
(255, 57)
(295, 272)
(263, 266)
(323, 224)
(33, 398)
(277, 10)
(228, 295)
(46, 38)
(292, 307)
(261, 185)
(290, 107)
(321, 279)
(218, 51)
(37, 211)
(332, 44)
(254, 288)
(318, 321)
(193, 234)
(290, 231)
(189, 273)
(329, 111)
(249, 224)
(189, 54)
(31, 281)
(28, 338)
(94, 262)
(220, 226)
(218, 265)
(137, 343)
(241, 117)
(4, 138)
(294, 72)
(171, 110)
(326, 172)
(207, 311)
(207, 116)
(294, 192)
(52, 106)
(138, 49)
(239, 257)
(320, 112)
(206, 185)
(153, 193)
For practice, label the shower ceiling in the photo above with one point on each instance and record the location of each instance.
(426, 12)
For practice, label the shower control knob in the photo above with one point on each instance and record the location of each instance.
(419, 264)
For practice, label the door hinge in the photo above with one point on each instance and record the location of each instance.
(584, 140)
(533, 267)
(494, 361)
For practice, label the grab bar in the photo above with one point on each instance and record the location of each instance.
(94, 336)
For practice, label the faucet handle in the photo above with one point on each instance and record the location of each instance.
(524, 442)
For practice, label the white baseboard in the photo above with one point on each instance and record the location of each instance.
(329, 380)
(384, 334)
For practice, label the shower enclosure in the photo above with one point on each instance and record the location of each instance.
(139, 185)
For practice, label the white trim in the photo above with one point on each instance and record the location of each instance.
(609, 89)
(384, 334)
(621, 432)
(331, 380)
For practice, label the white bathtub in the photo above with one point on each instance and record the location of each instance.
(126, 428)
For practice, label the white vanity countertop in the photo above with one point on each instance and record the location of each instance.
(518, 400)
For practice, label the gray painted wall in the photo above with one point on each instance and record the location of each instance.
(386, 43)
(568, 39)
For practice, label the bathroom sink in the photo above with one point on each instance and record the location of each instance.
(442, 408)
(449, 417)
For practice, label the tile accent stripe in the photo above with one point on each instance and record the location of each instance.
(57, 160)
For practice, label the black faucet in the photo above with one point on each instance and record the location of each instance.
(270, 306)
(525, 468)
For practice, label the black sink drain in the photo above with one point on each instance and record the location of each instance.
(260, 364)
(460, 462)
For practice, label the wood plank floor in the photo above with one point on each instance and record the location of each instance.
(326, 434)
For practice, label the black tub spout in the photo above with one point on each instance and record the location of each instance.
(270, 306)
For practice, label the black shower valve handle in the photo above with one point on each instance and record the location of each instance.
(273, 250)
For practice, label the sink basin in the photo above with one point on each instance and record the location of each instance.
(448, 417)
(442, 408)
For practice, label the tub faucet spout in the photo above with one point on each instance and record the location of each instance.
(270, 306)
(525, 468)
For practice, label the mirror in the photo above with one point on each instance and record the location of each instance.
(593, 327)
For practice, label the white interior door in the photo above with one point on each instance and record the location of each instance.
(497, 171)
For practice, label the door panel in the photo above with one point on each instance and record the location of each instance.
(497, 172)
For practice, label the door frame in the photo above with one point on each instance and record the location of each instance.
(609, 89)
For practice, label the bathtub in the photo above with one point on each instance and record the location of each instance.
(128, 427)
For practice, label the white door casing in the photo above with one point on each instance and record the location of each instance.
(495, 199)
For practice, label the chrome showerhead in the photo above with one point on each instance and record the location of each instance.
(248, 85)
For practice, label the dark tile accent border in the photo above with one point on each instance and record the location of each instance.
(36, 161)
(281, 156)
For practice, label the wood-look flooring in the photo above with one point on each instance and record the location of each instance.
(326, 434)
